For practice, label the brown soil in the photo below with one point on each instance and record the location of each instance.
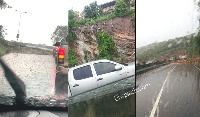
(121, 29)
(169, 55)
(189, 61)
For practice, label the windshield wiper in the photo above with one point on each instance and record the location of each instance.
(16, 83)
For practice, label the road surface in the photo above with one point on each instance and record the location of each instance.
(169, 91)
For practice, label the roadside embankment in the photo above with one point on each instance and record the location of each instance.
(140, 69)
(15, 47)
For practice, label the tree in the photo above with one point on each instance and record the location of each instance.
(197, 42)
(71, 23)
(128, 3)
(1, 32)
(4, 5)
(59, 34)
(120, 8)
(93, 10)
(88, 12)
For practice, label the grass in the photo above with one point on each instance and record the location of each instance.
(2, 50)
(94, 21)
(106, 17)
(2, 46)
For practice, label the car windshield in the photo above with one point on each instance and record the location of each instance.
(167, 56)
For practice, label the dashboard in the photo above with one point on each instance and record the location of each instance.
(29, 111)
(33, 113)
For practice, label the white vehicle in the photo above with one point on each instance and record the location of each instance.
(95, 74)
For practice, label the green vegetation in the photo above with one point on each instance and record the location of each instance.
(129, 3)
(1, 32)
(197, 42)
(85, 56)
(2, 41)
(120, 8)
(106, 17)
(72, 58)
(94, 21)
(71, 37)
(71, 23)
(94, 13)
(4, 5)
(106, 46)
(59, 33)
(2, 49)
(93, 10)
(156, 50)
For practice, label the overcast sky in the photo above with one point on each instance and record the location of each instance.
(41, 19)
(159, 20)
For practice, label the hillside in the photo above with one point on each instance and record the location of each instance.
(107, 37)
(122, 34)
(19, 47)
(167, 49)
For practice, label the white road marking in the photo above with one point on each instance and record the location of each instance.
(159, 95)
(197, 67)
(166, 104)
(158, 111)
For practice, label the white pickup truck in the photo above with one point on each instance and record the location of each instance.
(96, 74)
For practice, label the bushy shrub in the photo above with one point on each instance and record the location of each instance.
(72, 58)
(120, 8)
(106, 46)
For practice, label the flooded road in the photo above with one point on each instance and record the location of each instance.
(173, 91)
(36, 71)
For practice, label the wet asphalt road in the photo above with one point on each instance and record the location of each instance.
(38, 72)
(171, 91)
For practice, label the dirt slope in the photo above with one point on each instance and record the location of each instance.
(121, 29)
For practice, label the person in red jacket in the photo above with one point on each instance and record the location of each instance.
(58, 48)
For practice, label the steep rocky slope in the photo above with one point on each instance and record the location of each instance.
(121, 29)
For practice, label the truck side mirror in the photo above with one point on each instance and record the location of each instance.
(118, 67)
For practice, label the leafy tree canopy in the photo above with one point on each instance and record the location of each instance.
(4, 5)
(120, 8)
(59, 33)
(1, 32)
(197, 42)
(93, 10)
